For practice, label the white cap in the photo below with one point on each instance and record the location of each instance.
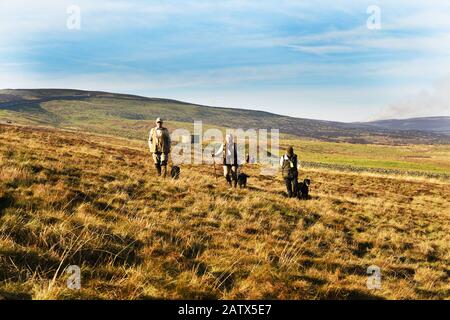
(159, 120)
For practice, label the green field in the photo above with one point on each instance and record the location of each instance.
(426, 158)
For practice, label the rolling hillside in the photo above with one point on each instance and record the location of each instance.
(130, 116)
(432, 124)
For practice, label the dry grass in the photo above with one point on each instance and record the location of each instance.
(93, 201)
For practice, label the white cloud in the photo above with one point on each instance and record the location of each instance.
(434, 102)
(411, 26)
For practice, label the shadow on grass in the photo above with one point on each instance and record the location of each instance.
(349, 294)
(6, 295)
(6, 201)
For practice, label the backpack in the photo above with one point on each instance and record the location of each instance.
(289, 166)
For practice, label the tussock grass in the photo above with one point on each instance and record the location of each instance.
(93, 201)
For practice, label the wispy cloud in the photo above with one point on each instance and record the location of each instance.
(188, 48)
(434, 102)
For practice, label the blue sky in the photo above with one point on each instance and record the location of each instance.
(313, 59)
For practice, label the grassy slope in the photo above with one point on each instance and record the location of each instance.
(93, 201)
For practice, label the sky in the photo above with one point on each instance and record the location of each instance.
(309, 59)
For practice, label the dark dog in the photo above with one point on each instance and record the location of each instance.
(242, 180)
(175, 172)
(303, 189)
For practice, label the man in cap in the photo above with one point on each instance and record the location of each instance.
(288, 163)
(159, 143)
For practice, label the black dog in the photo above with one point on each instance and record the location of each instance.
(175, 172)
(242, 180)
(303, 189)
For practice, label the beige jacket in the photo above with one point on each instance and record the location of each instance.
(159, 143)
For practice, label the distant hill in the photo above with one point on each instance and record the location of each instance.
(432, 124)
(130, 116)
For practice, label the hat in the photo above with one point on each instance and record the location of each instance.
(290, 151)
(158, 120)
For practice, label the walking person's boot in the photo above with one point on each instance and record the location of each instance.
(295, 188)
(288, 187)
(164, 171)
(235, 177)
(158, 169)
(228, 178)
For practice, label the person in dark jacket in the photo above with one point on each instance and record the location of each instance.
(289, 170)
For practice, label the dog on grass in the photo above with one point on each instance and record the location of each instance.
(175, 172)
(242, 180)
(303, 189)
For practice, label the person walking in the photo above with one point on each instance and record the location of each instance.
(231, 162)
(289, 170)
(159, 144)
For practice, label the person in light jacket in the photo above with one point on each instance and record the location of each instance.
(159, 144)
(231, 160)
